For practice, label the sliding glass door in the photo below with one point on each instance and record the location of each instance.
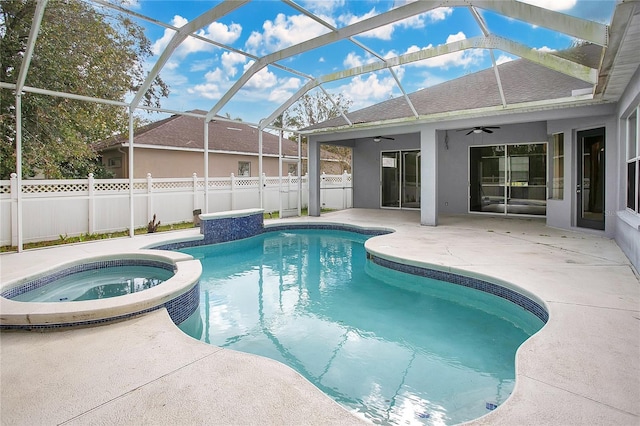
(400, 179)
(508, 179)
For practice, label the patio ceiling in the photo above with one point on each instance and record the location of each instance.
(609, 80)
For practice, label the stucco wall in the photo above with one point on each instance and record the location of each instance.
(627, 223)
(453, 159)
(174, 163)
(366, 167)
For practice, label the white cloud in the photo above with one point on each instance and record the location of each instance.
(462, 58)
(325, 7)
(230, 60)
(200, 65)
(262, 80)
(553, 4)
(365, 91)
(385, 32)
(352, 60)
(544, 49)
(284, 31)
(214, 31)
(502, 59)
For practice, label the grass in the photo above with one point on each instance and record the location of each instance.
(138, 231)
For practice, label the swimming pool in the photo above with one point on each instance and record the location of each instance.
(391, 347)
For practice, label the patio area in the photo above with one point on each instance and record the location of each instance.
(581, 368)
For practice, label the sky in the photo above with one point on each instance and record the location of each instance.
(199, 73)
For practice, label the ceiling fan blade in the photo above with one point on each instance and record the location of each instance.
(469, 132)
(491, 127)
(487, 130)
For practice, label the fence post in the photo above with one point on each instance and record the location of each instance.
(289, 191)
(262, 188)
(195, 191)
(233, 192)
(14, 209)
(92, 204)
(323, 177)
(345, 178)
(149, 196)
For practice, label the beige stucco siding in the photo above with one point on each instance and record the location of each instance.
(174, 163)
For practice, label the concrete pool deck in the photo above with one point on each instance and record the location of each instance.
(583, 367)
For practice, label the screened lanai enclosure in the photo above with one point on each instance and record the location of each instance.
(423, 94)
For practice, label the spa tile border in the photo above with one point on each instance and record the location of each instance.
(179, 309)
(470, 282)
(56, 275)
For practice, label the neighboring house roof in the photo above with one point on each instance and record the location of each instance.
(522, 81)
(187, 132)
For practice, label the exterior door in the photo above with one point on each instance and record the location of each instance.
(590, 179)
(400, 179)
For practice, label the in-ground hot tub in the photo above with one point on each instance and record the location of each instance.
(178, 292)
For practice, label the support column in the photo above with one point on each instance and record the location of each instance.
(314, 177)
(429, 174)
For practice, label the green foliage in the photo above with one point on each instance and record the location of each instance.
(80, 49)
(314, 108)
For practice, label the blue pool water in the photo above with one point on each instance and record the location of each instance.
(99, 283)
(391, 347)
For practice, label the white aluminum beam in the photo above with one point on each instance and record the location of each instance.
(485, 30)
(582, 29)
(185, 31)
(393, 15)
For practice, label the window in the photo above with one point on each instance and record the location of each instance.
(557, 179)
(633, 162)
(114, 163)
(244, 168)
(293, 169)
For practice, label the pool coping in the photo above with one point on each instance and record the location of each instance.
(17, 315)
(582, 367)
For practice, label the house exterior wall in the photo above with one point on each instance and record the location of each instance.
(175, 163)
(453, 162)
(563, 213)
(627, 233)
(366, 166)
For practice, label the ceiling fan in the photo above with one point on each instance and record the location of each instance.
(379, 138)
(479, 129)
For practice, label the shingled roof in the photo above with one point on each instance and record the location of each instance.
(522, 81)
(184, 131)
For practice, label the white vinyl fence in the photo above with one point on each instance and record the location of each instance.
(53, 209)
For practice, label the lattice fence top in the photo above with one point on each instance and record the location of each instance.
(58, 187)
(333, 180)
(174, 184)
(245, 182)
(111, 186)
(272, 181)
(5, 188)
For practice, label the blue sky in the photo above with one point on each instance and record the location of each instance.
(199, 73)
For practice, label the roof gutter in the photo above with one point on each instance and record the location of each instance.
(573, 101)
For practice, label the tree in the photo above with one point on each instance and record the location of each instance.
(82, 50)
(316, 108)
